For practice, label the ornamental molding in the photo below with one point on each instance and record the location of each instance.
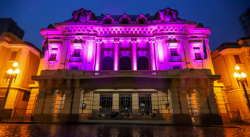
(168, 15)
(133, 40)
(81, 15)
(116, 40)
(151, 40)
(98, 40)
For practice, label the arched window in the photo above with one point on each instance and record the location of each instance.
(125, 63)
(124, 21)
(142, 63)
(108, 21)
(107, 63)
(142, 21)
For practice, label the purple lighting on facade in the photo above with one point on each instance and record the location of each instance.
(160, 40)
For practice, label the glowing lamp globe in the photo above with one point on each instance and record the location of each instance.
(15, 64)
(236, 74)
(237, 67)
(243, 75)
(10, 71)
(17, 71)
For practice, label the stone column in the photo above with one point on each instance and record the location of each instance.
(135, 103)
(88, 99)
(115, 105)
(116, 54)
(152, 54)
(134, 53)
(96, 104)
(179, 107)
(207, 106)
(163, 100)
(32, 102)
(155, 102)
(91, 54)
(98, 55)
(63, 56)
(188, 53)
(44, 111)
(73, 103)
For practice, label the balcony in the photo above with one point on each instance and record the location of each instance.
(175, 59)
(75, 59)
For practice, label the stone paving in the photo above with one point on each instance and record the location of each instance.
(118, 130)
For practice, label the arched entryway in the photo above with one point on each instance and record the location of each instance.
(108, 63)
(142, 63)
(125, 63)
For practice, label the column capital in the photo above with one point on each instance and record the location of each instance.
(116, 40)
(158, 39)
(91, 38)
(133, 40)
(98, 40)
(151, 40)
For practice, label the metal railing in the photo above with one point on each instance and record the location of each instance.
(75, 59)
(175, 59)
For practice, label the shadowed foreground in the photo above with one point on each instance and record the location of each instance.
(115, 130)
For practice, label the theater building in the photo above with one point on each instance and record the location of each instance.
(115, 62)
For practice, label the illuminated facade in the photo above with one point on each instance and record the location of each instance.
(114, 62)
(224, 58)
(13, 49)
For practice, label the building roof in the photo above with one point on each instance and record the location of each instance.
(240, 43)
(13, 39)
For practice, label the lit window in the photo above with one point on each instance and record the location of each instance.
(237, 58)
(52, 57)
(198, 56)
(74, 68)
(173, 52)
(13, 56)
(176, 67)
(77, 53)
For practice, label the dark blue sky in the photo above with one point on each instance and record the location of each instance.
(219, 15)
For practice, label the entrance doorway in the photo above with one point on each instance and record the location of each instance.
(105, 103)
(145, 103)
(125, 103)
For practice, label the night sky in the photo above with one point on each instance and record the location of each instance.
(219, 15)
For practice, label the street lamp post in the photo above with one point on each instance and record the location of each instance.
(11, 75)
(241, 78)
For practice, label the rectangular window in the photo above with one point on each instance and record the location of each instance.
(198, 56)
(176, 67)
(106, 101)
(173, 52)
(26, 96)
(196, 47)
(77, 53)
(54, 49)
(52, 57)
(74, 68)
(13, 56)
(145, 103)
(237, 58)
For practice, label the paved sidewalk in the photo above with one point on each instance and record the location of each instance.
(141, 122)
